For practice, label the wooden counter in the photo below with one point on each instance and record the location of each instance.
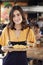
(35, 53)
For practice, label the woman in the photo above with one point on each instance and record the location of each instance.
(16, 33)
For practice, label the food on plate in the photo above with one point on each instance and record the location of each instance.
(20, 46)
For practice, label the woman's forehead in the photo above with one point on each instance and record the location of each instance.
(16, 12)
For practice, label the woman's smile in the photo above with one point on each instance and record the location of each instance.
(17, 18)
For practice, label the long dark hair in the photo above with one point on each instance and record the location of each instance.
(11, 23)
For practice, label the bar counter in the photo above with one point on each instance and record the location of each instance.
(35, 53)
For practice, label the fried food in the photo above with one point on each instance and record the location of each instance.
(20, 46)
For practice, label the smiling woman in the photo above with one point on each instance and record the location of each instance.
(16, 33)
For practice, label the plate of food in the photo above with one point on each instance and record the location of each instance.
(20, 47)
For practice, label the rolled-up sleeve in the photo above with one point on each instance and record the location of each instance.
(31, 37)
(2, 38)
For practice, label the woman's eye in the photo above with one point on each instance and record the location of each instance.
(18, 14)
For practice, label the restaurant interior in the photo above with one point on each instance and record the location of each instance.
(33, 10)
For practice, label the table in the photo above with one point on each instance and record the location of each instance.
(35, 53)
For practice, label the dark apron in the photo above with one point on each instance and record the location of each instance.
(16, 57)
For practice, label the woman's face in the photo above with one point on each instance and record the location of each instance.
(17, 17)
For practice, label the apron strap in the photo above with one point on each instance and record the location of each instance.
(8, 33)
(8, 36)
(27, 34)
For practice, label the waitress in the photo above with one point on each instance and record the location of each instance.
(16, 32)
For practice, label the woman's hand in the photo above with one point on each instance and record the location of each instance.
(5, 48)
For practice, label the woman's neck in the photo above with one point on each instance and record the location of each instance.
(18, 26)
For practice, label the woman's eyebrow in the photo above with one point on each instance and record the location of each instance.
(16, 14)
